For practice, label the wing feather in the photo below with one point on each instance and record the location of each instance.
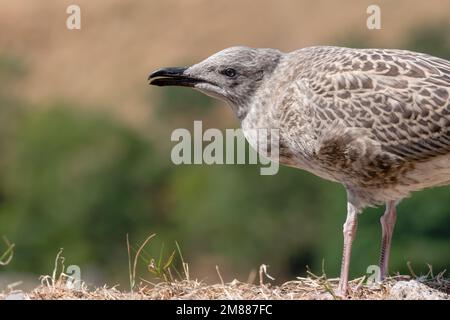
(401, 98)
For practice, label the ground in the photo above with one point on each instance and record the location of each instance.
(312, 287)
(175, 285)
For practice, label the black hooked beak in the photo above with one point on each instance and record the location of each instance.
(172, 77)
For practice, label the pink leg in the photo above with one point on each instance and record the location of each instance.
(350, 226)
(387, 224)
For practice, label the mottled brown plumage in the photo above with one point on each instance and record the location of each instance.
(368, 118)
(375, 120)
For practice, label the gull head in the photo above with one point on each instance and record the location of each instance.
(232, 75)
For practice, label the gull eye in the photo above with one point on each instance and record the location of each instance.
(229, 72)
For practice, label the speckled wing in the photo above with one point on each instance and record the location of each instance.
(400, 98)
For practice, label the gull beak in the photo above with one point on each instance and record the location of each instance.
(172, 77)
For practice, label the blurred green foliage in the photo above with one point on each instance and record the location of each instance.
(80, 180)
(178, 102)
(431, 39)
(11, 67)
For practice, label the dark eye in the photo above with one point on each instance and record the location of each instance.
(229, 72)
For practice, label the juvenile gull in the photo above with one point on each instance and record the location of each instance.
(375, 120)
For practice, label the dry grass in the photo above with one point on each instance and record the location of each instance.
(175, 285)
(313, 287)
(300, 289)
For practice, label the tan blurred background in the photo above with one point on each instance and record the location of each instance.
(107, 61)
